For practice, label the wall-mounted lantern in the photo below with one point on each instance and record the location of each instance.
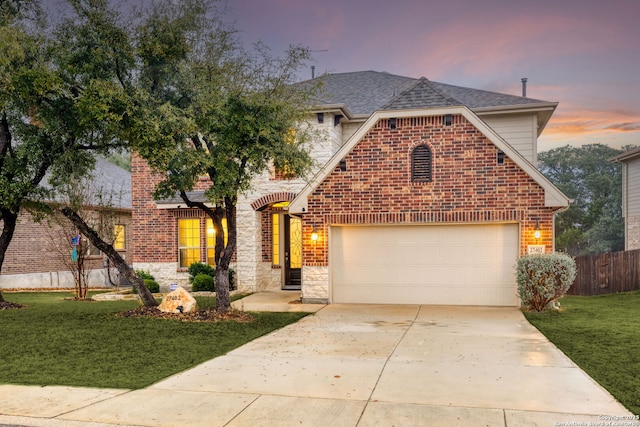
(537, 233)
(314, 234)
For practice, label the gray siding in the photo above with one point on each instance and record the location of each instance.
(519, 130)
(632, 184)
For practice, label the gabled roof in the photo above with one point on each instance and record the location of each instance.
(106, 180)
(364, 92)
(422, 94)
(627, 155)
(553, 196)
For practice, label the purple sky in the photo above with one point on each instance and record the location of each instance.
(585, 54)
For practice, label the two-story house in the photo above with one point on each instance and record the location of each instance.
(425, 193)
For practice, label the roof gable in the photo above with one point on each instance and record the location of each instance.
(423, 94)
(553, 196)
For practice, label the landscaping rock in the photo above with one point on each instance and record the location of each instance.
(178, 301)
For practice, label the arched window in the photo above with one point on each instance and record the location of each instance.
(421, 164)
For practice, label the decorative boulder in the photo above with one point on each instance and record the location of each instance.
(178, 301)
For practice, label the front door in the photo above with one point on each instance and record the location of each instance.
(292, 252)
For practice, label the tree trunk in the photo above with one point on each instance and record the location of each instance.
(226, 208)
(119, 263)
(224, 256)
(9, 221)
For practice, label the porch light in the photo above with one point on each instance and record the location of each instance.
(314, 234)
(536, 230)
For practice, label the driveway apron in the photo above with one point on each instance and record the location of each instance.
(371, 365)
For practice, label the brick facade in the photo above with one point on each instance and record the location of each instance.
(468, 185)
(155, 231)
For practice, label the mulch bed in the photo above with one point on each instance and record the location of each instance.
(6, 305)
(208, 315)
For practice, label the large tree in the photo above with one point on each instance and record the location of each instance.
(218, 111)
(593, 223)
(64, 96)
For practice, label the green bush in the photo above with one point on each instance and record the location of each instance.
(203, 282)
(149, 281)
(152, 285)
(144, 275)
(543, 278)
(200, 268)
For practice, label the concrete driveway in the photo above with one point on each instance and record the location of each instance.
(351, 365)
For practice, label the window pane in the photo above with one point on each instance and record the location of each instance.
(119, 237)
(211, 239)
(295, 242)
(275, 239)
(211, 234)
(188, 241)
(189, 232)
(189, 256)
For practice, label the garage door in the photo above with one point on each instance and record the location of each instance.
(424, 264)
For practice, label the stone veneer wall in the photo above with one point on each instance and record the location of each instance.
(468, 186)
(633, 233)
(315, 288)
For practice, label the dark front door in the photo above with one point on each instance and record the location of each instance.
(292, 252)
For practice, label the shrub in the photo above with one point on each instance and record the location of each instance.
(149, 281)
(144, 275)
(203, 282)
(543, 278)
(152, 285)
(200, 268)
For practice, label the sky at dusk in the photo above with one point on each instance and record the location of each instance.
(584, 54)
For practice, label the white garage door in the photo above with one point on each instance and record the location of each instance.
(424, 264)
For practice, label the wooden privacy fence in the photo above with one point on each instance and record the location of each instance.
(607, 273)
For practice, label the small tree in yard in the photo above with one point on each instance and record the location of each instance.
(220, 112)
(544, 278)
(66, 242)
(98, 206)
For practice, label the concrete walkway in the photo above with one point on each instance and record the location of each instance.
(350, 365)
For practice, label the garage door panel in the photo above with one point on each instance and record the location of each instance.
(427, 264)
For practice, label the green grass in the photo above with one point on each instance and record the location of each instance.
(601, 335)
(59, 342)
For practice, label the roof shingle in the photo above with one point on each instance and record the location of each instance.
(365, 92)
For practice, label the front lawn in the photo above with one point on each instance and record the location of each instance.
(601, 335)
(59, 342)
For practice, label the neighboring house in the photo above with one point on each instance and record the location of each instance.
(630, 161)
(34, 258)
(425, 193)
